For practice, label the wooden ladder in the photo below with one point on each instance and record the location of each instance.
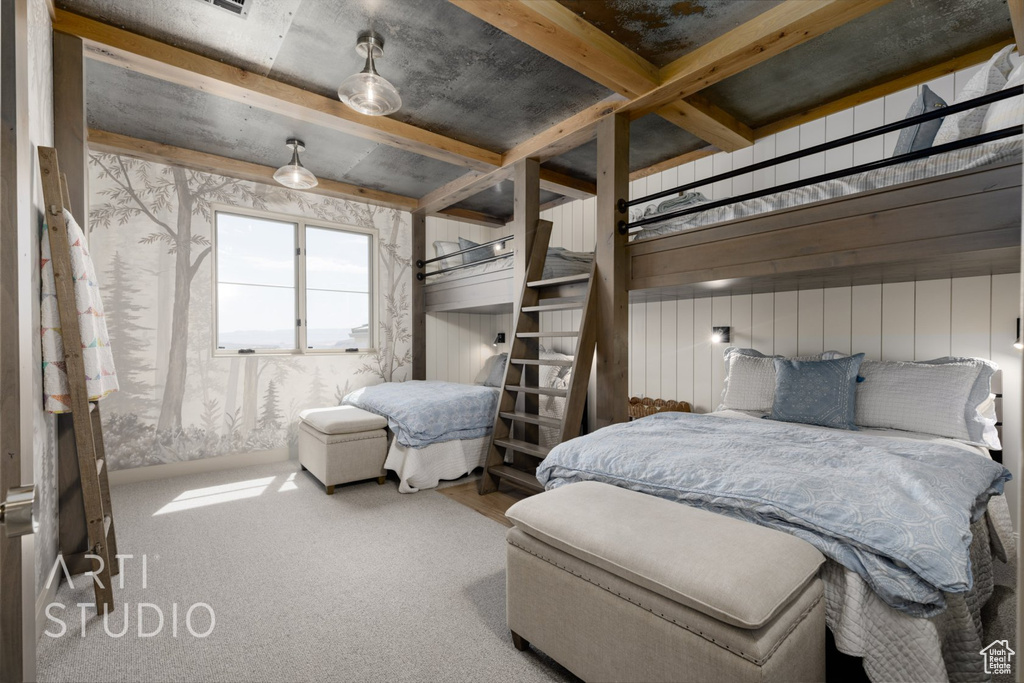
(88, 431)
(515, 449)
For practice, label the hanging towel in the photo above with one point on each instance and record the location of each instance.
(100, 378)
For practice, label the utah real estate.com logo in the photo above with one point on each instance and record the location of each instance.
(998, 657)
(150, 619)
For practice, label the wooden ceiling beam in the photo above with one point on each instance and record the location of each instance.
(882, 89)
(169, 63)
(673, 162)
(566, 185)
(767, 35)
(461, 188)
(114, 143)
(563, 35)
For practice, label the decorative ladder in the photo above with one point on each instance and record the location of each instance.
(88, 431)
(515, 449)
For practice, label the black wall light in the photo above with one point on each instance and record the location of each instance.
(721, 335)
(499, 339)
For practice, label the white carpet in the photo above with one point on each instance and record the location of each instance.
(364, 585)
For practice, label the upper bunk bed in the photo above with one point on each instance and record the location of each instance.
(952, 210)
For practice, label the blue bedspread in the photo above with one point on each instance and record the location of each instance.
(896, 511)
(421, 413)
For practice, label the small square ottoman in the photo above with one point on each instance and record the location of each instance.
(342, 444)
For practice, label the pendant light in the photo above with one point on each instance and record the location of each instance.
(294, 174)
(367, 91)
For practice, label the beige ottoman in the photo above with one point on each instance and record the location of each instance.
(342, 444)
(617, 585)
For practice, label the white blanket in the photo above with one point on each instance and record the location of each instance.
(425, 467)
(100, 377)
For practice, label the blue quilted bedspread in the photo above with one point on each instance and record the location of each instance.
(421, 413)
(896, 511)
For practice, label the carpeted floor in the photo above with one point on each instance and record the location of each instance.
(364, 585)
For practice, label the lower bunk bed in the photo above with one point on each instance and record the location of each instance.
(440, 431)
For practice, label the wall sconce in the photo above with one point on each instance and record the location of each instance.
(1017, 344)
(499, 247)
(720, 335)
(499, 339)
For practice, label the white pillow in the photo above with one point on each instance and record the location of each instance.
(445, 248)
(989, 79)
(1006, 113)
(948, 397)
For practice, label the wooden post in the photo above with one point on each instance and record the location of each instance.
(419, 313)
(526, 176)
(610, 257)
(70, 130)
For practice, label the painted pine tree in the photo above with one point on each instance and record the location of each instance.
(128, 338)
(271, 417)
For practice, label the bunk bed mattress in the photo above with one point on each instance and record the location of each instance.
(919, 169)
(560, 263)
(895, 645)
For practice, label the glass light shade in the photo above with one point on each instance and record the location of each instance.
(295, 176)
(369, 93)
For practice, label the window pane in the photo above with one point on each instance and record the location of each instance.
(255, 317)
(337, 320)
(336, 260)
(255, 251)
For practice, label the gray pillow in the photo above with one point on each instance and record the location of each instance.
(921, 136)
(497, 374)
(476, 254)
(750, 379)
(819, 392)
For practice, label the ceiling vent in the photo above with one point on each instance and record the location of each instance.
(240, 8)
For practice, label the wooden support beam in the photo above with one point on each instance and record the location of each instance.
(103, 141)
(166, 62)
(1017, 19)
(560, 33)
(673, 162)
(461, 188)
(418, 306)
(610, 257)
(69, 124)
(767, 35)
(560, 183)
(882, 89)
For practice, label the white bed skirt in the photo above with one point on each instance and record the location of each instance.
(423, 468)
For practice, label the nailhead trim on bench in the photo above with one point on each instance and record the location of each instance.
(751, 658)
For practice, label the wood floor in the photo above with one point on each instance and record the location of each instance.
(493, 505)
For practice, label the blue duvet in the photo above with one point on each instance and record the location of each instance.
(896, 511)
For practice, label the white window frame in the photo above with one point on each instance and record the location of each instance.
(301, 223)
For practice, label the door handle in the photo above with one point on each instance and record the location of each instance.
(16, 511)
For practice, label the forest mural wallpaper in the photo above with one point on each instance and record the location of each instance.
(150, 235)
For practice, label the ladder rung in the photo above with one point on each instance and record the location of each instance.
(107, 521)
(564, 306)
(543, 391)
(99, 465)
(556, 281)
(538, 335)
(542, 361)
(517, 478)
(92, 406)
(533, 419)
(523, 447)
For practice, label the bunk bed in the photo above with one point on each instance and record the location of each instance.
(952, 210)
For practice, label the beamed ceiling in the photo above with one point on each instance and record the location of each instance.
(505, 77)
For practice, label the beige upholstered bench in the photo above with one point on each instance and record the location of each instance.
(617, 585)
(343, 444)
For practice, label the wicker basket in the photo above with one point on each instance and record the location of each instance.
(642, 407)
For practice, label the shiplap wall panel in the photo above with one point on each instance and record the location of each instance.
(932, 318)
(837, 319)
(898, 321)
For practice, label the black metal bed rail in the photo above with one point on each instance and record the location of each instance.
(421, 263)
(942, 112)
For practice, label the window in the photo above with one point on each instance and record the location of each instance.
(288, 285)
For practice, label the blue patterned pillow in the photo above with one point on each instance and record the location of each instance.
(820, 392)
